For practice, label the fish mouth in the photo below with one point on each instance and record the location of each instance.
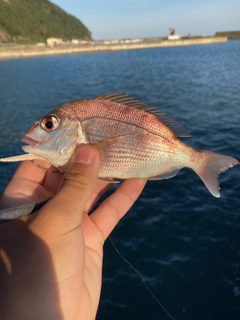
(30, 142)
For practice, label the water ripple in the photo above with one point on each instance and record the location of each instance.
(184, 241)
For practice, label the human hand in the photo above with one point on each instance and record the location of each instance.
(51, 261)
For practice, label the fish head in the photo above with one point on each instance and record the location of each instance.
(53, 137)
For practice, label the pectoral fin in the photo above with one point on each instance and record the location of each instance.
(108, 142)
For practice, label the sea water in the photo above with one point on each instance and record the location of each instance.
(185, 242)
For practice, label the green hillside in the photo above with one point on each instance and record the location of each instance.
(27, 21)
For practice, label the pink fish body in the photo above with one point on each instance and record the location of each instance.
(135, 141)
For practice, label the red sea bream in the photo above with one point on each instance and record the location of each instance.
(135, 141)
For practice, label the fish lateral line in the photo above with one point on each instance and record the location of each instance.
(137, 126)
(177, 129)
(125, 100)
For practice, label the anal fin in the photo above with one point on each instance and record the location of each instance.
(165, 175)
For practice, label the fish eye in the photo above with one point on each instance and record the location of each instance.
(49, 123)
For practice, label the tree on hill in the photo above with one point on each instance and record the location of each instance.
(27, 21)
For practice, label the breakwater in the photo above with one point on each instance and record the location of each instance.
(33, 50)
(231, 35)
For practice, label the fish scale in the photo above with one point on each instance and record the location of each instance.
(120, 113)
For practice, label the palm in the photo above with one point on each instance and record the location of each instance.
(76, 254)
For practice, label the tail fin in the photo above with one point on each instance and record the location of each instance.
(211, 165)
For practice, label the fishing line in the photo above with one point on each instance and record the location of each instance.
(142, 279)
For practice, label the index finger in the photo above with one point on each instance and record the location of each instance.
(30, 183)
(29, 171)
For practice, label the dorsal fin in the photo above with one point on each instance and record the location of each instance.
(124, 99)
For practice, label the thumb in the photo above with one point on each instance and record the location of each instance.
(64, 211)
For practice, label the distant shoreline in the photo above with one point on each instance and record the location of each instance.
(18, 51)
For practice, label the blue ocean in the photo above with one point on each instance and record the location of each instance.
(183, 241)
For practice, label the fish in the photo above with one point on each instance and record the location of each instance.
(21, 211)
(135, 141)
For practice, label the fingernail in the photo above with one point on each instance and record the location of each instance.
(84, 155)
